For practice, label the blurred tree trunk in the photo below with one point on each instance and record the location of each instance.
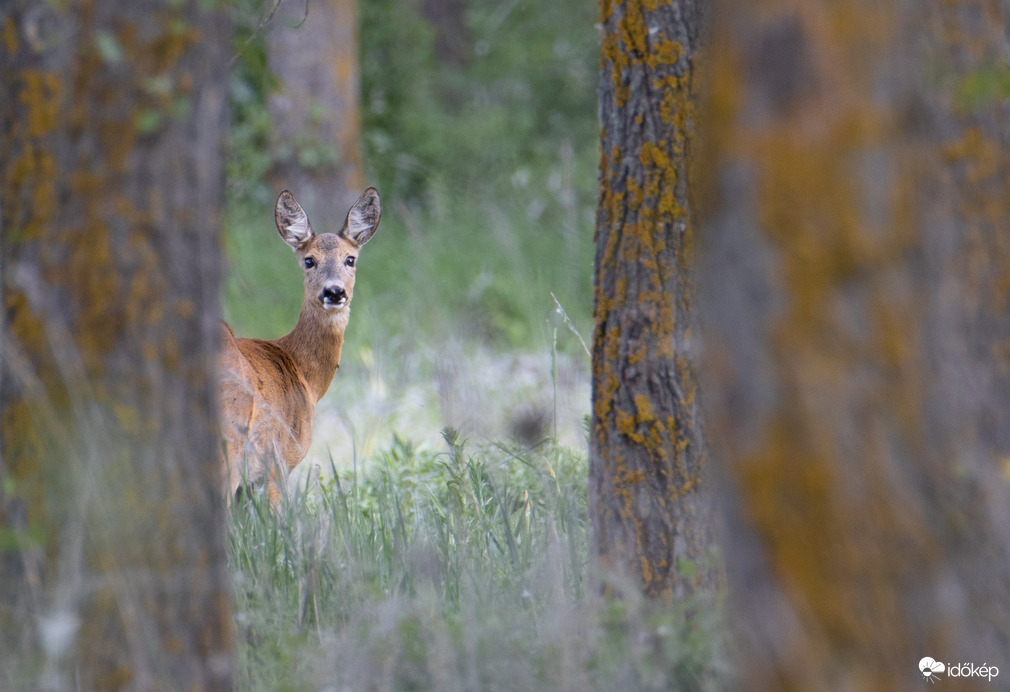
(113, 571)
(452, 36)
(312, 48)
(858, 301)
(648, 494)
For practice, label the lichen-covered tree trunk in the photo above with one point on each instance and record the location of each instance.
(312, 49)
(648, 494)
(858, 314)
(113, 570)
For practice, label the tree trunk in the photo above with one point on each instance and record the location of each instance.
(647, 452)
(857, 302)
(313, 51)
(113, 569)
(452, 36)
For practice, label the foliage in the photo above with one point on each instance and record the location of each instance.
(465, 569)
(523, 84)
(486, 165)
(460, 570)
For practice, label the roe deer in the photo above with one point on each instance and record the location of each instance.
(269, 389)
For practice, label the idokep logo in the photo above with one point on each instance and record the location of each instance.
(932, 670)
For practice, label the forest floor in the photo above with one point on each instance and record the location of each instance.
(520, 396)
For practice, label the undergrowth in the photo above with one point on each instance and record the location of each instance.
(466, 569)
(461, 570)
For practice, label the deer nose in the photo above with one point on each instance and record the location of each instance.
(333, 296)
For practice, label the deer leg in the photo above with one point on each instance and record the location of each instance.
(274, 488)
(277, 476)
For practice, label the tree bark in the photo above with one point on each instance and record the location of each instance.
(313, 51)
(648, 493)
(113, 569)
(857, 305)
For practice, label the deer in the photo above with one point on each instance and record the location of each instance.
(269, 388)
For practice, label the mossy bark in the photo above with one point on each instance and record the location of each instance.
(857, 309)
(112, 554)
(648, 491)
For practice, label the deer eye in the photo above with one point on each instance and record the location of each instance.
(309, 262)
(349, 261)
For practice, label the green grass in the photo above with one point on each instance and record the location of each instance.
(468, 568)
(461, 570)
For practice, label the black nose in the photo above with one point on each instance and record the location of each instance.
(333, 294)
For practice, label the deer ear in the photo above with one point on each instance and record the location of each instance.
(292, 222)
(363, 218)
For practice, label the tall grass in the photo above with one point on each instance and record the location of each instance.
(461, 570)
(466, 569)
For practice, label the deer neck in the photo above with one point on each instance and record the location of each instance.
(315, 344)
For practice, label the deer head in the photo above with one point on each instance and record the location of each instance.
(328, 259)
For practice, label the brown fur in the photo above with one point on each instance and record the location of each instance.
(269, 389)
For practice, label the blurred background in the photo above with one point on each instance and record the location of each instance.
(853, 288)
(476, 120)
